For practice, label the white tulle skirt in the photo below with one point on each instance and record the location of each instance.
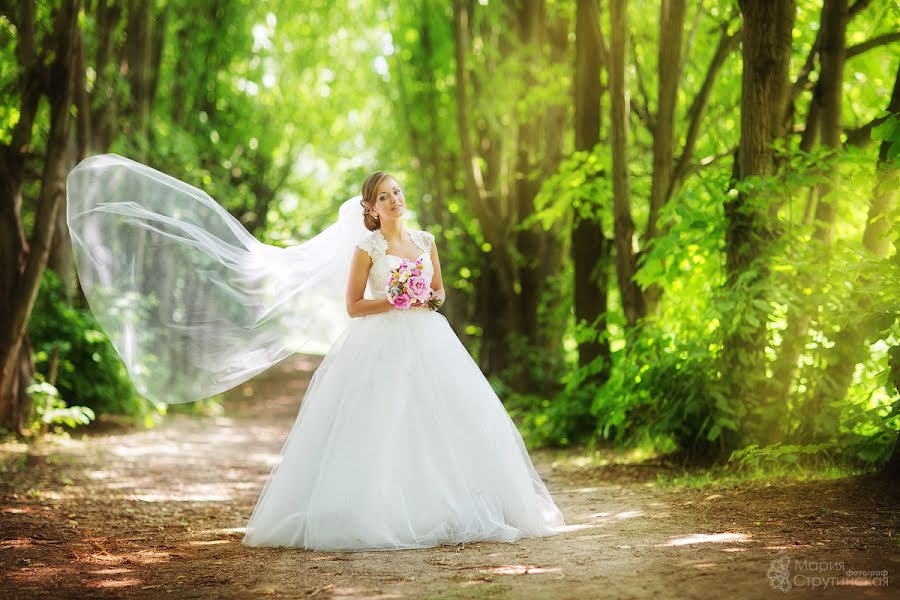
(401, 442)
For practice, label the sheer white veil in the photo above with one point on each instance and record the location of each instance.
(192, 302)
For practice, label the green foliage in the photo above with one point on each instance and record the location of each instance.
(669, 384)
(777, 455)
(792, 458)
(579, 186)
(663, 388)
(280, 114)
(50, 409)
(89, 374)
(888, 131)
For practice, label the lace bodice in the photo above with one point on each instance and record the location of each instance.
(382, 262)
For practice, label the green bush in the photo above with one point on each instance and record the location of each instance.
(50, 409)
(89, 373)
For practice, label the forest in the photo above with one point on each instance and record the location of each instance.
(667, 227)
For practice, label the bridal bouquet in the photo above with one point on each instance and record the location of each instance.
(406, 286)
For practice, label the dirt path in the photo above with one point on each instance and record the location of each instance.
(160, 513)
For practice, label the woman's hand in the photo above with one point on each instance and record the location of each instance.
(433, 302)
(435, 299)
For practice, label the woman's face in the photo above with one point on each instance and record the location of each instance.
(389, 201)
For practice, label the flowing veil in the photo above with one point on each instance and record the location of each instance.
(191, 301)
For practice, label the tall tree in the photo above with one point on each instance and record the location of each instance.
(501, 188)
(764, 94)
(819, 417)
(142, 62)
(671, 25)
(626, 260)
(839, 361)
(833, 49)
(48, 70)
(827, 89)
(590, 248)
(500, 268)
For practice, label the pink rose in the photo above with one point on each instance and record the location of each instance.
(402, 301)
(417, 288)
(416, 272)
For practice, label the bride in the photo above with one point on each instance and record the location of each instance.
(400, 441)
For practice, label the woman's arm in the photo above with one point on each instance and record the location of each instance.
(357, 306)
(437, 282)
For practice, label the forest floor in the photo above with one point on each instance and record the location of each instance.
(119, 512)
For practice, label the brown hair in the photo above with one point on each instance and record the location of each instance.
(368, 198)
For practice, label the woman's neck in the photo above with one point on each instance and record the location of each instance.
(393, 232)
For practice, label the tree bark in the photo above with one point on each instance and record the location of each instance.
(531, 16)
(554, 241)
(29, 260)
(590, 248)
(669, 62)
(876, 238)
(497, 279)
(892, 468)
(671, 21)
(474, 188)
(822, 123)
(765, 90)
(834, 26)
(102, 126)
(626, 260)
(139, 54)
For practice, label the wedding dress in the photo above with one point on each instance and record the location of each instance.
(400, 441)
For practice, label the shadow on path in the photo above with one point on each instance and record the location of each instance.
(161, 513)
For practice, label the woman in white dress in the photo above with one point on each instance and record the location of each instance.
(400, 441)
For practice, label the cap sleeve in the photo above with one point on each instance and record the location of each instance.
(374, 244)
(426, 240)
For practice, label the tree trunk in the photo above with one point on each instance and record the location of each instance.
(626, 260)
(590, 248)
(100, 125)
(876, 238)
(61, 261)
(824, 123)
(892, 467)
(554, 242)
(849, 349)
(834, 26)
(497, 281)
(139, 54)
(437, 169)
(671, 25)
(491, 226)
(682, 166)
(796, 332)
(531, 18)
(19, 299)
(765, 89)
